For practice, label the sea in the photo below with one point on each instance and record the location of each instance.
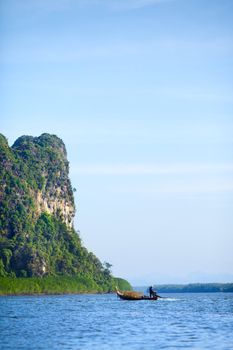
(104, 322)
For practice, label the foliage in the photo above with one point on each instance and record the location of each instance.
(122, 284)
(50, 285)
(37, 238)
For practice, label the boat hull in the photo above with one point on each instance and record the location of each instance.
(133, 296)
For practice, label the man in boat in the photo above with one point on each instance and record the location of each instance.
(152, 292)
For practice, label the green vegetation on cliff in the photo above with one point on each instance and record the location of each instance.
(57, 285)
(37, 238)
(50, 285)
(122, 284)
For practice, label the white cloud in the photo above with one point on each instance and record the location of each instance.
(126, 5)
(34, 49)
(180, 190)
(191, 179)
(150, 169)
(61, 5)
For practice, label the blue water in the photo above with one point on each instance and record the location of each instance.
(188, 321)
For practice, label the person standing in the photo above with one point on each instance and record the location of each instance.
(152, 292)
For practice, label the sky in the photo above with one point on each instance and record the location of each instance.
(141, 93)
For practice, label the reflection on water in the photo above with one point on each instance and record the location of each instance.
(189, 321)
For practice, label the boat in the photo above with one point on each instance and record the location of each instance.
(131, 295)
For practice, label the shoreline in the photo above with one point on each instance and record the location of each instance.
(96, 293)
(58, 285)
(47, 294)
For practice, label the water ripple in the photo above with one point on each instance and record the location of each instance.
(91, 322)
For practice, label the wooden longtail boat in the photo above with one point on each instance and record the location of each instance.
(128, 295)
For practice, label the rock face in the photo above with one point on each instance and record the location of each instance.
(37, 209)
(47, 163)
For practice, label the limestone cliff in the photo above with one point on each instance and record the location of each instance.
(37, 209)
(47, 163)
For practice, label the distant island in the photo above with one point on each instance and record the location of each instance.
(40, 251)
(196, 288)
(192, 288)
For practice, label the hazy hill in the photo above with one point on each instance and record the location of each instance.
(191, 288)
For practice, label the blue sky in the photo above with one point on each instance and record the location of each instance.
(141, 93)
